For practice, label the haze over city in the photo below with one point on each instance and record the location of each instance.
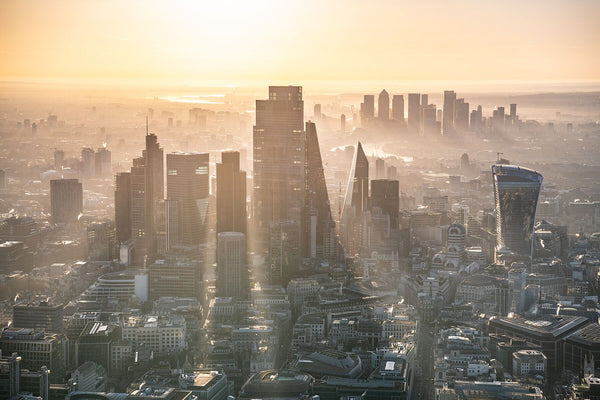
(299, 200)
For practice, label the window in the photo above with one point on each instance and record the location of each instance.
(172, 172)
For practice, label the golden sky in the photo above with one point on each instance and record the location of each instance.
(304, 39)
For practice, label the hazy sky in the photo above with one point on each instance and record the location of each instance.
(304, 39)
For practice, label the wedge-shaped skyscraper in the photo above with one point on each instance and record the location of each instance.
(319, 228)
(516, 192)
(356, 202)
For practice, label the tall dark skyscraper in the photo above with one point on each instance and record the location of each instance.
(154, 188)
(448, 113)
(66, 200)
(368, 108)
(398, 107)
(319, 228)
(356, 202)
(516, 192)
(279, 162)
(137, 197)
(414, 112)
(188, 184)
(383, 105)
(231, 194)
(123, 206)
(385, 194)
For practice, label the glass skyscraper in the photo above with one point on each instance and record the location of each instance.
(516, 192)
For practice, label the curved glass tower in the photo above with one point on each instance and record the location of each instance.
(516, 192)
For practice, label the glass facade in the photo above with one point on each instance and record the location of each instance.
(516, 193)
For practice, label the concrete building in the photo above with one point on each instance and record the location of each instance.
(529, 362)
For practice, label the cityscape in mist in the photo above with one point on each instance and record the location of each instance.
(299, 200)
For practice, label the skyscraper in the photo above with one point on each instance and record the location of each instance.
(383, 105)
(369, 108)
(137, 197)
(319, 228)
(231, 194)
(398, 107)
(123, 206)
(154, 187)
(187, 183)
(461, 115)
(88, 162)
(279, 162)
(429, 125)
(232, 274)
(356, 202)
(379, 168)
(66, 200)
(317, 111)
(516, 192)
(385, 194)
(414, 112)
(448, 115)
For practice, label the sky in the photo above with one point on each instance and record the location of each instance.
(225, 40)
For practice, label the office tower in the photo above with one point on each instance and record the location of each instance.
(398, 107)
(187, 183)
(232, 273)
(319, 239)
(138, 195)
(35, 382)
(498, 119)
(429, 125)
(173, 278)
(59, 159)
(356, 202)
(343, 123)
(424, 100)
(392, 172)
(383, 104)
(10, 373)
(513, 112)
(66, 200)
(317, 111)
(88, 162)
(39, 315)
(231, 194)
(385, 194)
(379, 168)
(123, 206)
(284, 252)
(171, 224)
(516, 192)
(448, 114)
(517, 279)
(154, 188)
(357, 193)
(101, 241)
(103, 162)
(279, 158)
(461, 115)
(414, 112)
(37, 349)
(2, 179)
(369, 108)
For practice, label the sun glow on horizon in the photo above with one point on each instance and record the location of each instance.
(292, 40)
